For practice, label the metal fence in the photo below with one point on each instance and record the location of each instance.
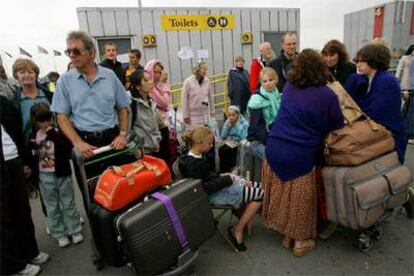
(219, 84)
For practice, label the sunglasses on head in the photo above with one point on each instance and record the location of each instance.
(75, 51)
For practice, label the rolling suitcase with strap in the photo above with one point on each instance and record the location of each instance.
(163, 234)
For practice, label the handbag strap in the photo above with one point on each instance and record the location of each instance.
(340, 91)
(176, 222)
(137, 167)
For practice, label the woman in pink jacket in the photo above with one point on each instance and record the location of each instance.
(161, 97)
(197, 98)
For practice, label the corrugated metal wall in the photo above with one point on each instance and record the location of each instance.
(401, 34)
(359, 27)
(223, 46)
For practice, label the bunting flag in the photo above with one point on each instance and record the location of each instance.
(7, 53)
(42, 50)
(56, 53)
(24, 52)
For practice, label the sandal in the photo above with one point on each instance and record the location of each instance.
(238, 246)
(299, 252)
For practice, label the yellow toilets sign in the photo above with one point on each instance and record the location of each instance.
(203, 22)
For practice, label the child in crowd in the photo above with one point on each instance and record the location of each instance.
(225, 189)
(263, 107)
(234, 130)
(144, 117)
(51, 153)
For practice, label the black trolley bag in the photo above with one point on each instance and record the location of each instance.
(105, 248)
(162, 234)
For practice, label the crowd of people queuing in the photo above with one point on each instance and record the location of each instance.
(283, 107)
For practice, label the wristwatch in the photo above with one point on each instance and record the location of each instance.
(123, 133)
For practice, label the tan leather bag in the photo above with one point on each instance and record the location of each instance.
(360, 140)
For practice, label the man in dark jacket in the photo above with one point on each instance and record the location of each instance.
(283, 62)
(19, 252)
(110, 61)
(238, 85)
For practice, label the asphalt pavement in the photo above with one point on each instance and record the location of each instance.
(393, 254)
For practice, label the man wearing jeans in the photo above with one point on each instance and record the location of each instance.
(91, 103)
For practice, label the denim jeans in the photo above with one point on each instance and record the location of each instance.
(58, 196)
(230, 195)
(258, 149)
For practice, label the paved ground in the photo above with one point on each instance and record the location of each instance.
(392, 255)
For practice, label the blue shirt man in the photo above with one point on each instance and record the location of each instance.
(90, 102)
(91, 106)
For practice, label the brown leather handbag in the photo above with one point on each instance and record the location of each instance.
(360, 140)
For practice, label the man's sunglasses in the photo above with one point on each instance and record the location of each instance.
(75, 51)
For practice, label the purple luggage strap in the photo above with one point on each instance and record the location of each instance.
(172, 213)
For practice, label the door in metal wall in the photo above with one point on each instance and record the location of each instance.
(123, 45)
(275, 39)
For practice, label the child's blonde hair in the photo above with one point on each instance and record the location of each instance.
(268, 71)
(197, 135)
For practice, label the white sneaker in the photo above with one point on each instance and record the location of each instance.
(77, 238)
(41, 258)
(47, 230)
(63, 241)
(82, 221)
(411, 141)
(30, 270)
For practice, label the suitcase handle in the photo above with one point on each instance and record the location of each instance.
(138, 166)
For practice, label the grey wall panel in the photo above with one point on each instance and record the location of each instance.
(83, 21)
(184, 41)
(228, 54)
(257, 40)
(361, 28)
(264, 20)
(401, 35)
(173, 48)
(162, 42)
(291, 20)
(121, 19)
(148, 28)
(388, 29)
(247, 49)
(354, 32)
(136, 30)
(283, 21)
(206, 44)
(236, 32)
(95, 23)
(347, 30)
(109, 23)
(195, 39)
(370, 24)
(217, 47)
(274, 20)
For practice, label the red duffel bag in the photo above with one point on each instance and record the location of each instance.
(120, 185)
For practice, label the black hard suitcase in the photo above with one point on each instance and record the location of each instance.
(149, 238)
(106, 249)
(104, 235)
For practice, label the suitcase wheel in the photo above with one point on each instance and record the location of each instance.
(376, 233)
(364, 243)
(98, 263)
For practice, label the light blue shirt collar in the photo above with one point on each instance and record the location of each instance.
(99, 74)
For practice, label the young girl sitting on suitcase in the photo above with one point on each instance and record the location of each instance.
(234, 130)
(225, 189)
(51, 151)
